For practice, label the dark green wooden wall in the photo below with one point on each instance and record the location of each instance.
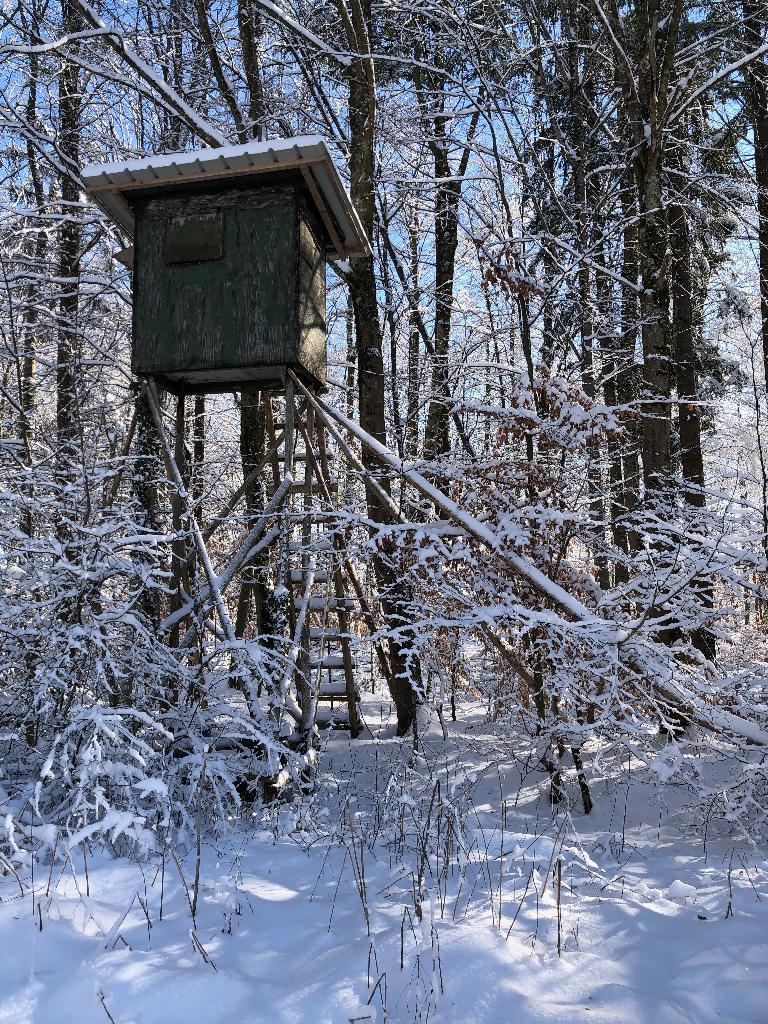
(229, 286)
(311, 299)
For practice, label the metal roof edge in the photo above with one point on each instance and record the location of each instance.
(183, 159)
(109, 183)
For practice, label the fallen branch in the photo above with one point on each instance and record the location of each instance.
(629, 653)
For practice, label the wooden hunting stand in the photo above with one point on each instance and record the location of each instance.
(229, 255)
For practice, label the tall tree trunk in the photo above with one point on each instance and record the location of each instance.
(685, 316)
(437, 432)
(654, 310)
(625, 466)
(756, 80)
(255, 600)
(395, 604)
(683, 329)
(437, 435)
(146, 447)
(252, 601)
(646, 94)
(412, 392)
(250, 28)
(27, 357)
(70, 239)
(576, 125)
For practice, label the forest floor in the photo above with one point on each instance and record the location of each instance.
(410, 889)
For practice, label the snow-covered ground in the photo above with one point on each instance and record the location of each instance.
(407, 889)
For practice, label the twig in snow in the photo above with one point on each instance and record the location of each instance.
(113, 935)
(9, 867)
(198, 832)
(143, 906)
(53, 861)
(200, 948)
(336, 890)
(162, 885)
(749, 878)
(72, 868)
(85, 866)
(382, 994)
(103, 1002)
(729, 909)
(520, 904)
(183, 881)
(358, 869)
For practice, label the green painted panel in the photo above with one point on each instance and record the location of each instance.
(311, 311)
(194, 239)
(252, 308)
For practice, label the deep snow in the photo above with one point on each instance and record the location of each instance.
(644, 933)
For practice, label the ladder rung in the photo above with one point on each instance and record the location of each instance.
(297, 487)
(314, 545)
(316, 604)
(321, 576)
(326, 517)
(333, 484)
(328, 661)
(328, 716)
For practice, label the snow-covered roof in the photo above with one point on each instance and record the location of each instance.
(111, 185)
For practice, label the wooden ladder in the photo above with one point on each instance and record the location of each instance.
(321, 604)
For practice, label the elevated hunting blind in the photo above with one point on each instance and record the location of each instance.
(229, 255)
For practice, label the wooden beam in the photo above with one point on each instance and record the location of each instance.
(325, 215)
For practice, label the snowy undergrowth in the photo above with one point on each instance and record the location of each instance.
(407, 887)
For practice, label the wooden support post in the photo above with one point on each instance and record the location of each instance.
(289, 447)
(294, 667)
(178, 550)
(274, 439)
(353, 710)
(290, 423)
(304, 675)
